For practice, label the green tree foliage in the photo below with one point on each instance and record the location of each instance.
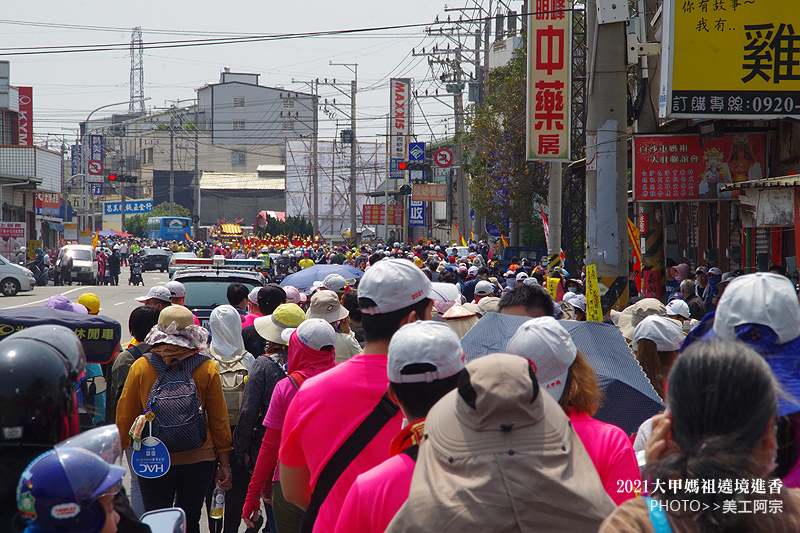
(504, 185)
(137, 224)
(296, 226)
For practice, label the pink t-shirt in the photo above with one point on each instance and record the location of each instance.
(376, 496)
(276, 412)
(249, 318)
(325, 411)
(612, 454)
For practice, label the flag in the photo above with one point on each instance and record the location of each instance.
(461, 237)
(471, 235)
(546, 227)
(96, 238)
(187, 236)
(505, 242)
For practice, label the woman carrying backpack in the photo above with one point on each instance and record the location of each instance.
(234, 363)
(311, 352)
(176, 381)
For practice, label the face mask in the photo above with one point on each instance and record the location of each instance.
(572, 289)
(713, 281)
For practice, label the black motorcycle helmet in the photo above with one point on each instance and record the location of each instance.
(39, 370)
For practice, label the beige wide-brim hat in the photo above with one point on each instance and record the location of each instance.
(633, 315)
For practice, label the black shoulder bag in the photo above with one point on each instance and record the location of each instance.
(347, 452)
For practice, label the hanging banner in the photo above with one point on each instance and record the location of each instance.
(680, 167)
(549, 89)
(732, 59)
(399, 123)
(416, 213)
(594, 309)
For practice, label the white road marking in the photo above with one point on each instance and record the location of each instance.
(120, 303)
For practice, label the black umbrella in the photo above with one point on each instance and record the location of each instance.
(628, 397)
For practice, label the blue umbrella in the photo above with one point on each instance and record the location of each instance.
(628, 397)
(305, 278)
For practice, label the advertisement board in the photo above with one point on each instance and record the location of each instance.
(131, 207)
(25, 116)
(416, 213)
(373, 215)
(680, 167)
(730, 59)
(399, 122)
(48, 204)
(549, 93)
(429, 192)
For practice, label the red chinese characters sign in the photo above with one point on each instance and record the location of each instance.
(373, 215)
(678, 167)
(549, 81)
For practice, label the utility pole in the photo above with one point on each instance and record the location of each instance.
(315, 155)
(606, 159)
(171, 163)
(353, 67)
(554, 204)
(462, 192)
(122, 146)
(196, 220)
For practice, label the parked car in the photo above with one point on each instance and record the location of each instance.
(15, 278)
(460, 251)
(155, 259)
(179, 255)
(84, 263)
(207, 288)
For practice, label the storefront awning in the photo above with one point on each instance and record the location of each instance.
(56, 226)
(780, 182)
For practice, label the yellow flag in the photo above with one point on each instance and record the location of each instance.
(552, 287)
(96, 238)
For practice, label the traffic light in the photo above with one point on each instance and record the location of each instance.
(420, 166)
(121, 178)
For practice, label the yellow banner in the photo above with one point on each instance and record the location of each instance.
(732, 58)
(552, 287)
(594, 310)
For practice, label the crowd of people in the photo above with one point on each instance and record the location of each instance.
(351, 406)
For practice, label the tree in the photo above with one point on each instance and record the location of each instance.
(137, 224)
(504, 185)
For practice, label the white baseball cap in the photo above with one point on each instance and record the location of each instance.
(157, 292)
(293, 295)
(313, 332)
(393, 284)
(424, 342)
(714, 271)
(176, 289)
(472, 271)
(484, 288)
(548, 345)
(678, 308)
(761, 298)
(666, 333)
(521, 276)
(576, 300)
(253, 296)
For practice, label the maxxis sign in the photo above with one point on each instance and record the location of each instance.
(734, 59)
(549, 90)
(399, 117)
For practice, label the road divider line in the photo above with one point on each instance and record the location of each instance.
(120, 303)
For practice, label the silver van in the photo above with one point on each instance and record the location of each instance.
(84, 263)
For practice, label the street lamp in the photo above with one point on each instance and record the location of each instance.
(85, 159)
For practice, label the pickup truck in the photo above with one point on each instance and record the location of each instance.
(521, 252)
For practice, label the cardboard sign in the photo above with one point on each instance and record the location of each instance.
(552, 287)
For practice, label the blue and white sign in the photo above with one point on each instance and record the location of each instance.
(96, 147)
(131, 206)
(394, 172)
(416, 213)
(416, 151)
(75, 152)
(97, 189)
(151, 460)
(494, 231)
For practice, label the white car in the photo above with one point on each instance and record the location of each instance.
(179, 255)
(15, 278)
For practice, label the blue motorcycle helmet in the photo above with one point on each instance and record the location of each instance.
(60, 490)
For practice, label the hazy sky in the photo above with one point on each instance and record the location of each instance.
(67, 86)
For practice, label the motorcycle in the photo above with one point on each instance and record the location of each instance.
(136, 274)
(41, 273)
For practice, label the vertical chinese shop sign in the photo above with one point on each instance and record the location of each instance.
(549, 94)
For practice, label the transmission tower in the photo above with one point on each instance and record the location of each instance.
(137, 71)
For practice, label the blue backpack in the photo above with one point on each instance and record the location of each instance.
(180, 422)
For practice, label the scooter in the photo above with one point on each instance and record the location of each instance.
(136, 274)
(41, 275)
